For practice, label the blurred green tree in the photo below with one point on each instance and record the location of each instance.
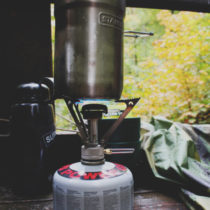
(173, 79)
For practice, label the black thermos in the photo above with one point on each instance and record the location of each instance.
(32, 132)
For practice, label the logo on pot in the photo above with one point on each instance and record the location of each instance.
(110, 20)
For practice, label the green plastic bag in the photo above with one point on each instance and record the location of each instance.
(180, 154)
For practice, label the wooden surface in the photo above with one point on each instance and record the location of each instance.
(155, 200)
(144, 200)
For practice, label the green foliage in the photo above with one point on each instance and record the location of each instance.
(138, 49)
(52, 33)
(173, 80)
(64, 121)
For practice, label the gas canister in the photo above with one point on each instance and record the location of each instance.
(108, 186)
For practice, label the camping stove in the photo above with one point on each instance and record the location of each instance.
(94, 183)
(89, 65)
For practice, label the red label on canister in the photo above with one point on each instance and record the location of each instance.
(67, 172)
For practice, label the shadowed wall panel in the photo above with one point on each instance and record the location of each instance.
(185, 5)
(25, 46)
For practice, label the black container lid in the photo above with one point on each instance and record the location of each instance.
(92, 111)
(32, 92)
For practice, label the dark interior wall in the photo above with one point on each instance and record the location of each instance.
(182, 5)
(185, 5)
(25, 46)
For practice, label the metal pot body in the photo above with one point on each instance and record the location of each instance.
(89, 48)
(102, 187)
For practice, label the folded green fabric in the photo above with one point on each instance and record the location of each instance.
(179, 154)
(193, 201)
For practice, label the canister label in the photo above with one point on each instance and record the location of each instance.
(117, 170)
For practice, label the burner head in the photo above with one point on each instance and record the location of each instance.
(93, 111)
